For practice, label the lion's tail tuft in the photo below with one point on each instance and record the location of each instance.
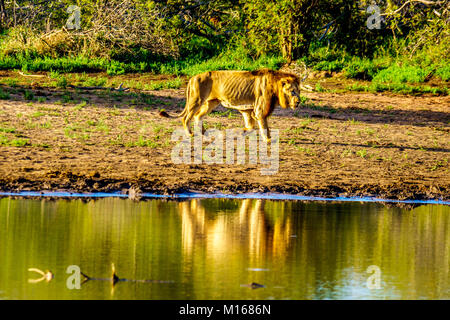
(164, 114)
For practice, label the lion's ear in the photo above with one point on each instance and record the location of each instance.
(283, 82)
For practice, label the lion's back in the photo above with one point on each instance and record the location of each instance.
(233, 87)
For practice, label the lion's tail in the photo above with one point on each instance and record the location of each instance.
(183, 113)
(164, 114)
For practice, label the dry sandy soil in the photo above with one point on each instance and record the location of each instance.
(348, 144)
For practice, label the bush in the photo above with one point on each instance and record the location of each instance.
(4, 95)
(402, 74)
(330, 65)
(443, 72)
(232, 59)
(364, 69)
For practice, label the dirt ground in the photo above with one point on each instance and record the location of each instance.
(346, 144)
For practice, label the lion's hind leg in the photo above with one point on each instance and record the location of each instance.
(193, 104)
(206, 108)
(248, 120)
(186, 120)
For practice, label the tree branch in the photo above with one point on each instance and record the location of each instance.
(426, 2)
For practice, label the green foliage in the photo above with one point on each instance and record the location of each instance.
(365, 69)
(443, 72)
(62, 82)
(95, 82)
(179, 37)
(233, 59)
(167, 84)
(28, 95)
(4, 95)
(402, 74)
(115, 68)
(383, 67)
(7, 130)
(399, 88)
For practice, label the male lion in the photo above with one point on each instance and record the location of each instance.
(255, 94)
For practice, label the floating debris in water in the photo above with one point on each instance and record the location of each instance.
(253, 285)
(114, 278)
(47, 275)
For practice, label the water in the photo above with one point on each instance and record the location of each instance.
(215, 248)
(193, 195)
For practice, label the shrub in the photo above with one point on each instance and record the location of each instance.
(364, 69)
(402, 74)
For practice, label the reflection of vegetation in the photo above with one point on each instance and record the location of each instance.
(311, 250)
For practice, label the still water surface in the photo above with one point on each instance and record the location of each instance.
(213, 248)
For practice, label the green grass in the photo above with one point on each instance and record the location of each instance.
(4, 141)
(76, 132)
(11, 82)
(28, 95)
(399, 88)
(439, 164)
(362, 153)
(166, 84)
(95, 82)
(229, 59)
(443, 72)
(7, 130)
(62, 64)
(37, 114)
(45, 125)
(402, 74)
(232, 60)
(80, 106)
(227, 113)
(67, 98)
(307, 151)
(365, 69)
(336, 65)
(398, 72)
(61, 82)
(4, 95)
(142, 142)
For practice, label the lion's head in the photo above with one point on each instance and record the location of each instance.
(289, 92)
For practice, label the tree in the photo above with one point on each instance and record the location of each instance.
(287, 26)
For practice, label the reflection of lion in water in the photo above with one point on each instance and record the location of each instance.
(255, 94)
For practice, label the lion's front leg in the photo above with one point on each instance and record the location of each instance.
(264, 129)
(198, 125)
